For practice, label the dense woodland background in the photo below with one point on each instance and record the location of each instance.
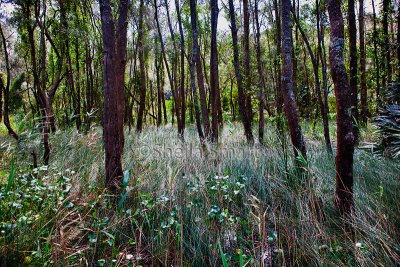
(199, 133)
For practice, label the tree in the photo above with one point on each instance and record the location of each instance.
(183, 60)
(214, 76)
(376, 59)
(386, 45)
(6, 87)
(287, 83)
(398, 42)
(322, 105)
(261, 96)
(246, 63)
(142, 104)
(353, 61)
(345, 134)
(241, 93)
(199, 68)
(114, 60)
(363, 77)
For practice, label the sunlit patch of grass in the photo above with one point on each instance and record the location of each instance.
(214, 205)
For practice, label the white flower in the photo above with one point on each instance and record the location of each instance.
(129, 257)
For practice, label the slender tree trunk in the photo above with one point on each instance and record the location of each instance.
(199, 71)
(345, 137)
(143, 78)
(246, 60)
(314, 62)
(261, 97)
(195, 98)
(6, 88)
(214, 76)
(363, 79)
(386, 41)
(353, 63)
(277, 64)
(114, 59)
(398, 42)
(182, 71)
(78, 87)
(174, 89)
(287, 83)
(241, 92)
(159, 90)
(377, 67)
(170, 79)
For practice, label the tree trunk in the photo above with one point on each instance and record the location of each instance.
(241, 93)
(277, 64)
(78, 87)
(363, 80)
(214, 76)
(377, 67)
(6, 88)
(142, 104)
(261, 85)
(386, 41)
(353, 63)
(246, 60)
(174, 88)
(183, 59)
(199, 71)
(287, 83)
(345, 137)
(314, 62)
(114, 58)
(398, 42)
(170, 79)
(159, 90)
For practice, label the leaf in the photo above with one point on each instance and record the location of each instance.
(11, 176)
(223, 257)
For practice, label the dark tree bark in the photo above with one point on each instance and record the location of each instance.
(277, 64)
(214, 76)
(352, 28)
(398, 42)
(287, 83)
(246, 60)
(174, 89)
(377, 67)
(114, 59)
(78, 87)
(261, 77)
(182, 71)
(199, 70)
(386, 41)
(345, 137)
(241, 93)
(363, 77)
(314, 62)
(142, 104)
(166, 65)
(6, 88)
(160, 95)
(195, 97)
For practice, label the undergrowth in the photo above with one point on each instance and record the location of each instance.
(186, 205)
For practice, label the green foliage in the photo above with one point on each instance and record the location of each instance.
(29, 201)
(388, 124)
(16, 95)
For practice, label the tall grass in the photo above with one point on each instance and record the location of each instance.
(227, 204)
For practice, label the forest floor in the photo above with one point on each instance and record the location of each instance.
(186, 205)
